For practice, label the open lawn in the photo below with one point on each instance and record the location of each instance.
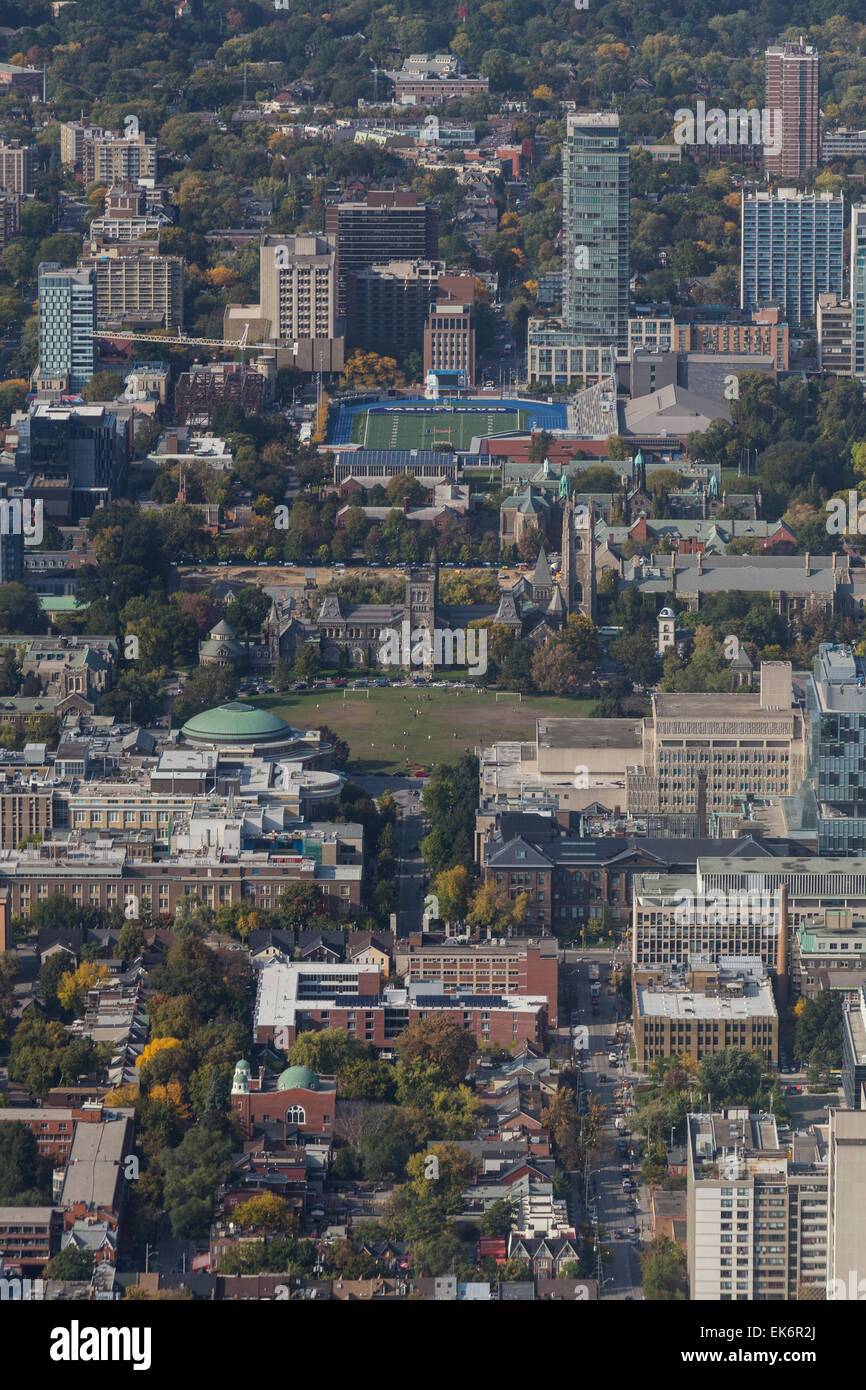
(426, 727)
(420, 428)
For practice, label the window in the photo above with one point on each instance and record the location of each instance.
(295, 1115)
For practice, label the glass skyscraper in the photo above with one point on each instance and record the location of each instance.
(595, 212)
(67, 320)
(858, 290)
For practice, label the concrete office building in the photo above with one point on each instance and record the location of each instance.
(791, 89)
(17, 165)
(595, 214)
(67, 322)
(757, 1209)
(389, 225)
(846, 1203)
(671, 923)
(843, 143)
(712, 752)
(857, 282)
(790, 250)
(298, 287)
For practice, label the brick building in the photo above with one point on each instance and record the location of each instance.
(298, 1100)
(295, 998)
(516, 968)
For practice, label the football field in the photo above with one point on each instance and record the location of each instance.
(420, 428)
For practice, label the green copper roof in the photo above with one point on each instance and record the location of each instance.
(298, 1078)
(237, 722)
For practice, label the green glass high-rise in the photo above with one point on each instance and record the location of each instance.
(595, 214)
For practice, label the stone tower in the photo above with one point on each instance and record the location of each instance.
(578, 559)
(422, 593)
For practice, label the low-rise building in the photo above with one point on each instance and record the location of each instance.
(710, 1006)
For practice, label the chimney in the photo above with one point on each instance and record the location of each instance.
(700, 562)
(807, 566)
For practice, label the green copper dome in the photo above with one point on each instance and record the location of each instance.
(298, 1078)
(235, 723)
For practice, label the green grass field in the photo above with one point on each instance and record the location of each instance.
(405, 429)
(439, 725)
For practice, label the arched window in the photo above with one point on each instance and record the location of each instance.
(578, 591)
(295, 1115)
(578, 543)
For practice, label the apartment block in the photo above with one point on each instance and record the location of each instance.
(757, 1209)
(389, 225)
(835, 325)
(846, 1201)
(449, 333)
(791, 90)
(387, 306)
(17, 166)
(790, 250)
(137, 283)
(109, 158)
(10, 217)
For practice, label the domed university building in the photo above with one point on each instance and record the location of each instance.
(241, 728)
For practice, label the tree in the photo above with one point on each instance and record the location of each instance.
(10, 673)
(499, 1218)
(663, 1268)
(25, 1178)
(206, 687)
(194, 1173)
(439, 1042)
(491, 909)
(73, 987)
(103, 386)
(20, 610)
(451, 887)
(265, 1213)
(731, 1076)
(369, 369)
(247, 612)
(327, 1052)
(71, 1265)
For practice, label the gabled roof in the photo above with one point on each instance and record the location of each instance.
(507, 610)
(518, 853)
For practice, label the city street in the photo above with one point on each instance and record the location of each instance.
(614, 1209)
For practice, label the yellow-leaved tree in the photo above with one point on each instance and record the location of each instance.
(74, 985)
